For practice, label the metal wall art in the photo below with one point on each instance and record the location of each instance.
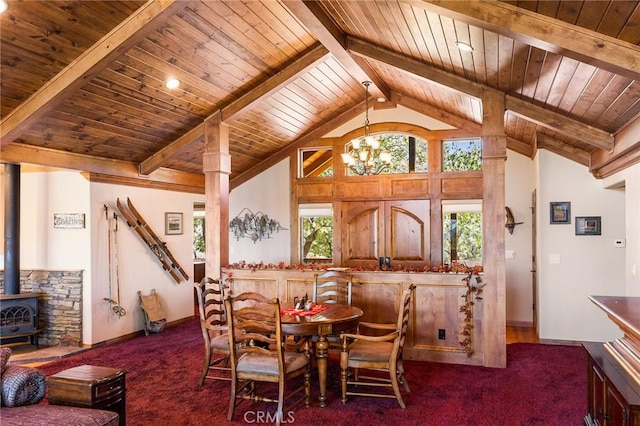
(253, 225)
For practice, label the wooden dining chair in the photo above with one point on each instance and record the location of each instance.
(213, 323)
(376, 353)
(332, 287)
(257, 351)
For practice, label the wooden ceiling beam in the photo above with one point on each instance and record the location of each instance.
(301, 65)
(529, 111)
(578, 155)
(143, 21)
(436, 113)
(418, 68)
(283, 153)
(625, 153)
(560, 123)
(323, 28)
(553, 35)
(290, 72)
(118, 171)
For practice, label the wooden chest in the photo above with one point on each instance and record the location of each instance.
(90, 387)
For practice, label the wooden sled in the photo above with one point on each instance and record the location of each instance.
(155, 318)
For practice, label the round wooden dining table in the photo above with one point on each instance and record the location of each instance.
(332, 320)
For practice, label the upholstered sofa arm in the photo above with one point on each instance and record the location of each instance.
(22, 386)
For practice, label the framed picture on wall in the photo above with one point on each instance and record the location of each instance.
(560, 212)
(173, 223)
(588, 225)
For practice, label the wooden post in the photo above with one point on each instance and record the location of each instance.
(217, 168)
(494, 155)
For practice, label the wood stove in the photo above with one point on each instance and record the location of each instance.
(19, 316)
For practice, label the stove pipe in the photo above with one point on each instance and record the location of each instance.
(12, 229)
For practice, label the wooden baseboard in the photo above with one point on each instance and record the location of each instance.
(519, 324)
(560, 342)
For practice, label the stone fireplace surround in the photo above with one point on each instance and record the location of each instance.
(59, 304)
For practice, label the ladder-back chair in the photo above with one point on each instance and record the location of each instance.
(213, 323)
(380, 353)
(257, 351)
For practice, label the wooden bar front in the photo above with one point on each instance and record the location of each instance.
(436, 320)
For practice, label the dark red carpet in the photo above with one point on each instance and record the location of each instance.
(542, 385)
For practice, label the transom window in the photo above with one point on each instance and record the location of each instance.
(461, 155)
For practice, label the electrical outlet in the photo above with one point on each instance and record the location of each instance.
(441, 334)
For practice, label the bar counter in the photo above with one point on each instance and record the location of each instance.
(437, 322)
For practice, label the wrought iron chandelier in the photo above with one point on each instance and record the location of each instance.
(365, 157)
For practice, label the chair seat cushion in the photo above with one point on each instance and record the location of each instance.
(361, 350)
(220, 342)
(263, 364)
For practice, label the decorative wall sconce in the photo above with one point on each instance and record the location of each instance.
(253, 225)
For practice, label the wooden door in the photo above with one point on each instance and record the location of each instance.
(363, 226)
(407, 241)
(395, 229)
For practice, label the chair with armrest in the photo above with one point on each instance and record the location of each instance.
(376, 353)
(257, 354)
(213, 323)
(332, 287)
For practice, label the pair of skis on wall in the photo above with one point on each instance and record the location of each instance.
(153, 242)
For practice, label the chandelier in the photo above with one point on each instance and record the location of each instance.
(365, 157)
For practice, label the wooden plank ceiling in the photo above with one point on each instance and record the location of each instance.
(83, 81)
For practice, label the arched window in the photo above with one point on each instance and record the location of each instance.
(408, 154)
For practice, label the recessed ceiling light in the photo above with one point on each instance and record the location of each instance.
(465, 47)
(172, 83)
(381, 99)
(3, 5)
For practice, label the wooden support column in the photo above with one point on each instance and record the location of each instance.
(494, 155)
(217, 168)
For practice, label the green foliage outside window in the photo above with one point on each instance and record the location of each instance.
(398, 146)
(198, 238)
(317, 237)
(461, 155)
(468, 238)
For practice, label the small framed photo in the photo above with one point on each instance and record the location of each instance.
(588, 225)
(560, 212)
(173, 223)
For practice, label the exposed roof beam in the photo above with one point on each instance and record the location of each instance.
(283, 153)
(560, 123)
(115, 170)
(552, 35)
(413, 66)
(578, 155)
(301, 65)
(552, 120)
(625, 153)
(436, 113)
(290, 72)
(159, 158)
(143, 21)
(316, 20)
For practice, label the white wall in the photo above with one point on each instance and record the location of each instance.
(630, 180)
(570, 267)
(138, 268)
(519, 184)
(268, 193)
(42, 247)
